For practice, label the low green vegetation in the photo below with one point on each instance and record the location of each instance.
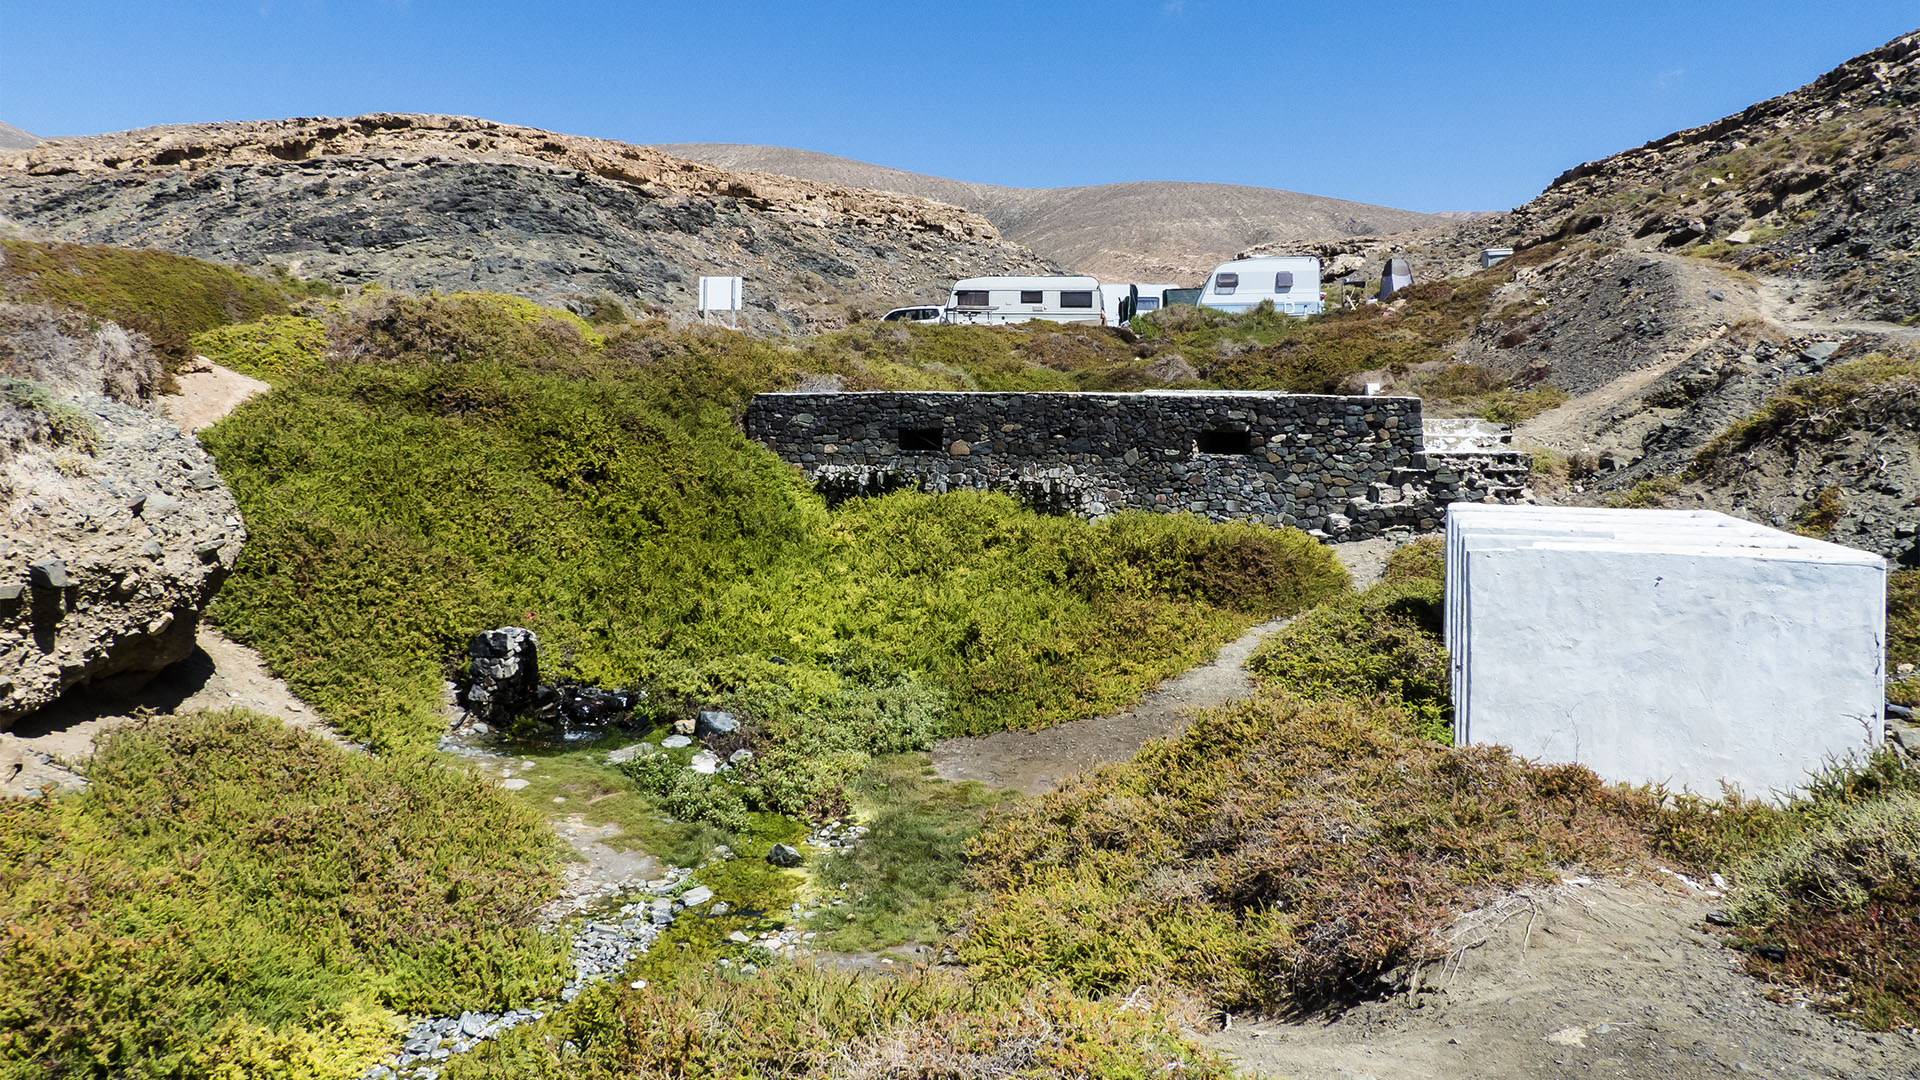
(496, 465)
(1833, 905)
(803, 1021)
(274, 347)
(1290, 853)
(1649, 494)
(1816, 408)
(905, 881)
(169, 298)
(1903, 617)
(229, 893)
(1381, 643)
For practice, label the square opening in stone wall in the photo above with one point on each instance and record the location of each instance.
(922, 440)
(1224, 441)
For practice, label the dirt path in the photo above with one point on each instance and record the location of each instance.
(207, 393)
(1787, 305)
(221, 674)
(1607, 978)
(1032, 762)
(1793, 305)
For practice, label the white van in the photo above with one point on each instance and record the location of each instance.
(1017, 299)
(1292, 282)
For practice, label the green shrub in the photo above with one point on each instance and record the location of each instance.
(169, 298)
(804, 1021)
(271, 348)
(1384, 642)
(1843, 902)
(228, 889)
(1649, 494)
(688, 795)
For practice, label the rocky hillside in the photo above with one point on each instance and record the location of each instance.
(1149, 231)
(1733, 309)
(439, 202)
(12, 138)
(1821, 184)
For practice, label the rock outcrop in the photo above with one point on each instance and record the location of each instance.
(448, 203)
(107, 556)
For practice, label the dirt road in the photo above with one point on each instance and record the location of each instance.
(1587, 978)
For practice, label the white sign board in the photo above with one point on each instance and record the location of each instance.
(720, 294)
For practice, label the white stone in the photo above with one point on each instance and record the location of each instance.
(675, 742)
(515, 784)
(1659, 646)
(706, 761)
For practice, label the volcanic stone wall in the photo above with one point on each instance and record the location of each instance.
(1347, 467)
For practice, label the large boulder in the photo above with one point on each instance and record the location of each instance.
(115, 532)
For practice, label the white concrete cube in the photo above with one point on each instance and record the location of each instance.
(1663, 646)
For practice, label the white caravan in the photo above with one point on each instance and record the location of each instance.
(1018, 299)
(1292, 282)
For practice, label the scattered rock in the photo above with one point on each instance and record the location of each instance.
(628, 753)
(504, 674)
(715, 722)
(675, 742)
(784, 855)
(706, 762)
(696, 896)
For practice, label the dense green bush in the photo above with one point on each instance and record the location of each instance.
(1384, 642)
(170, 298)
(802, 1021)
(228, 888)
(1843, 902)
(601, 495)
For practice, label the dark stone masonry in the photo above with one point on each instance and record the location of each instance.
(1342, 467)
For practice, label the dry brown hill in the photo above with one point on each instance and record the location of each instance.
(1147, 231)
(445, 202)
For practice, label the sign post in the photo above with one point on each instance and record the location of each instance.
(721, 294)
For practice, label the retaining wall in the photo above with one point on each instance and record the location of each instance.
(1347, 467)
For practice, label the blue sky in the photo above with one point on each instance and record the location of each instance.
(1425, 105)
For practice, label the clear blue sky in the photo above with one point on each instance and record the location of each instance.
(1422, 104)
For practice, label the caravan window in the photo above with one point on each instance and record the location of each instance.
(1081, 299)
(1149, 303)
(970, 298)
(1225, 283)
(1031, 296)
(1283, 281)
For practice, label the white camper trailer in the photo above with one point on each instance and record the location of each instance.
(1292, 282)
(1018, 299)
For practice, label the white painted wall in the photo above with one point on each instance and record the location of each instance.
(1677, 647)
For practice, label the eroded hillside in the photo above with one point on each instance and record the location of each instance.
(439, 202)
